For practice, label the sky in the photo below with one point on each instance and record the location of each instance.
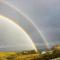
(44, 13)
(13, 37)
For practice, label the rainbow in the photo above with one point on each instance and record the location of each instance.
(29, 19)
(11, 21)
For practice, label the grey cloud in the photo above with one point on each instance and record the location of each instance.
(45, 14)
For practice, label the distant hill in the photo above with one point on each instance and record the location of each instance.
(57, 47)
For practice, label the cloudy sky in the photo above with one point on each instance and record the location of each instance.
(13, 37)
(44, 13)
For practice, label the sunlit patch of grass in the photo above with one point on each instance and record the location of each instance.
(7, 53)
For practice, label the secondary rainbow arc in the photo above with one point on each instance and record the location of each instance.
(30, 20)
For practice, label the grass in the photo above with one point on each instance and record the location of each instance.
(14, 56)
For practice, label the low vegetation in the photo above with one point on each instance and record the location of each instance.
(52, 54)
